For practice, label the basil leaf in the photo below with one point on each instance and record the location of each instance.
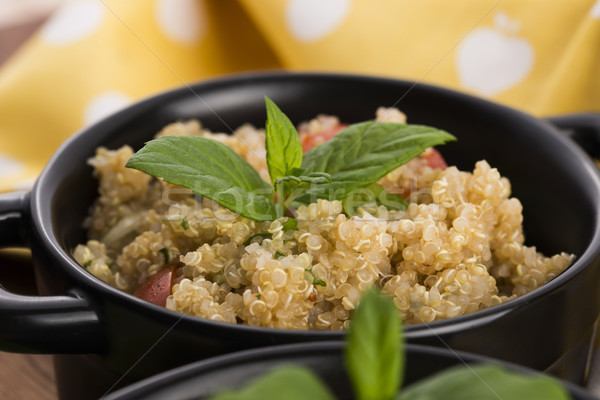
(298, 171)
(210, 169)
(314, 178)
(374, 196)
(484, 382)
(375, 348)
(310, 276)
(185, 224)
(287, 382)
(363, 153)
(284, 151)
(165, 252)
(290, 225)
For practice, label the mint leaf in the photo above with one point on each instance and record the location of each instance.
(284, 151)
(287, 382)
(313, 177)
(290, 225)
(185, 223)
(363, 153)
(165, 252)
(484, 382)
(210, 169)
(375, 350)
(310, 276)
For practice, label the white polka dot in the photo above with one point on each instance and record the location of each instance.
(9, 166)
(73, 22)
(492, 60)
(595, 11)
(311, 20)
(103, 105)
(183, 21)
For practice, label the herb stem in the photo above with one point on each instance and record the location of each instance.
(281, 206)
(296, 192)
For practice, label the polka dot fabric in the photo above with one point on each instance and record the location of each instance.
(183, 21)
(95, 57)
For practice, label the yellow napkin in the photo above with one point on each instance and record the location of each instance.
(94, 57)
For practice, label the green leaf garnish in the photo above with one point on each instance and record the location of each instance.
(290, 225)
(363, 153)
(313, 279)
(484, 382)
(373, 146)
(210, 169)
(165, 252)
(87, 263)
(375, 349)
(185, 224)
(355, 158)
(284, 151)
(279, 254)
(313, 177)
(287, 382)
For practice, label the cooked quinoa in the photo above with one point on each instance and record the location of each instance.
(458, 247)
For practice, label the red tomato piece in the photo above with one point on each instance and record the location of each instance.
(157, 288)
(312, 140)
(434, 158)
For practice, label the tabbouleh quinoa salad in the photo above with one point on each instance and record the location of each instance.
(455, 247)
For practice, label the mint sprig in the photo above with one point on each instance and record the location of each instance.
(375, 350)
(354, 159)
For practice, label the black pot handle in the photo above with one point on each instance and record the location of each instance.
(582, 128)
(42, 324)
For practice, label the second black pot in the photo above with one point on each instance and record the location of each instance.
(203, 379)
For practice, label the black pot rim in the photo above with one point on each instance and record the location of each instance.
(41, 211)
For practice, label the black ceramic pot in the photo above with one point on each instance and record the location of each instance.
(113, 337)
(202, 379)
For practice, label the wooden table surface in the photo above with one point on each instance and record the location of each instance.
(26, 377)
